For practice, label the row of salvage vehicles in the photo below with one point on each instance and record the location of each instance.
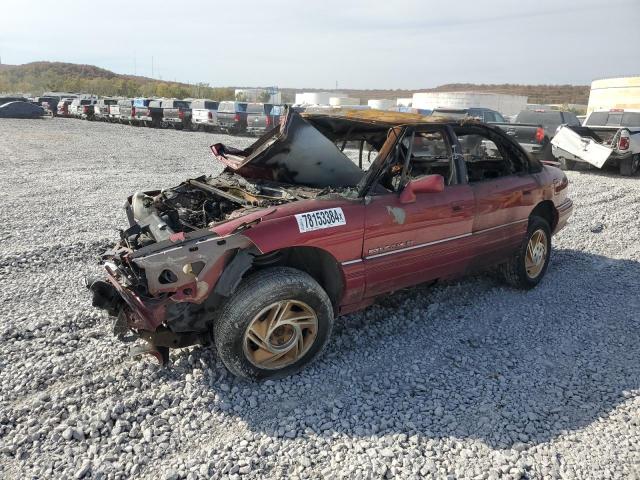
(199, 114)
(319, 218)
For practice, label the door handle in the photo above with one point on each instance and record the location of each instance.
(457, 208)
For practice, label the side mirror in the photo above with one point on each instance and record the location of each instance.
(426, 184)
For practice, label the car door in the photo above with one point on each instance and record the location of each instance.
(409, 243)
(503, 190)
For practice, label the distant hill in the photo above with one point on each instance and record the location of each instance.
(38, 77)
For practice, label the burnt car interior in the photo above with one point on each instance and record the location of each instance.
(487, 156)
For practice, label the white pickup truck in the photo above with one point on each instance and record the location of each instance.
(610, 137)
(204, 114)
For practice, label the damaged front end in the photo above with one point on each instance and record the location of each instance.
(170, 270)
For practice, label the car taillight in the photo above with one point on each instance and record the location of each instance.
(85, 109)
(623, 141)
(237, 117)
(133, 111)
(539, 135)
(268, 121)
(210, 116)
(180, 114)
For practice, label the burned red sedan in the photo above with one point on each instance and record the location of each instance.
(316, 219)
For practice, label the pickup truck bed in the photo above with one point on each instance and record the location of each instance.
(599, 147)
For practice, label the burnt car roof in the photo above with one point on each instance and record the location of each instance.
(378, 117)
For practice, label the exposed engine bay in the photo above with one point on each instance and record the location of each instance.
(202, 202)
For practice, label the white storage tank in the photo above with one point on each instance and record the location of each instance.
(343, 101)
(505, 104)
(381, 104)
(610, 93)
(313, 98)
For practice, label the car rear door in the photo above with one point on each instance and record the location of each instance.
(409, 243)
(503, 190)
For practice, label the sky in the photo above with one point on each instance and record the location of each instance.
(404, 44)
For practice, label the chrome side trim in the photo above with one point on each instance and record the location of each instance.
(428, 244)
(351, 262)
(413, 247)
(500, 226)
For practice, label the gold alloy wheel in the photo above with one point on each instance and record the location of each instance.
(280, 334)
(536, 253)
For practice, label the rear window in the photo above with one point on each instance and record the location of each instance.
(617, 119)
(226, 107)
(110, 102)
(211, 105)
(85, 102)
(141, 102)
(544, 118)
(181, 104)
(255, 108)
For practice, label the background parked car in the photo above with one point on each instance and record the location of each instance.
(82, 108)
(549, 119)
(204, 114)
(232, 116)
(259, 117)
(124, 113)
(176, 113)
(141, 112)
(48, 103)
(101, 108)
(63, 107)
(20, 110)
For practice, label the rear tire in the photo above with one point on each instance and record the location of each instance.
(251, 330)
(527, 267)
(630, 166)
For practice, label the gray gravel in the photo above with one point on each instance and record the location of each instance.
(465, 380)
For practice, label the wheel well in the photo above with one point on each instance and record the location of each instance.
(318, 263)
(547, 210)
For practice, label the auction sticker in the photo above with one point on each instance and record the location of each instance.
(330, 217)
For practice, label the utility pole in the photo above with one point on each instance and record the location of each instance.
(151, 66)
(135, 63)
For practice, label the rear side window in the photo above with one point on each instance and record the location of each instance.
(181, 104)
(486, 156)
(490, 117)
(211, 105)
(631, 120)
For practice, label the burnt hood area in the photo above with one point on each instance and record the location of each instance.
(305, 151)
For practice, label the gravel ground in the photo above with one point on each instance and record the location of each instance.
(464, 380)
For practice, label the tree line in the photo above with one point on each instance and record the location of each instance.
(39, 77)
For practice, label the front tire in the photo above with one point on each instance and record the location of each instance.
(527, 267)
(630, 166)
(276, 322)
